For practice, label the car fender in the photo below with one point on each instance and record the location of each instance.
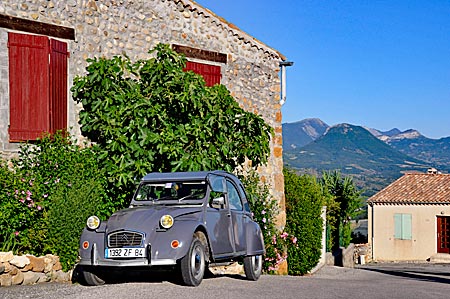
(254, 238)
(90, 241)
(183, 232)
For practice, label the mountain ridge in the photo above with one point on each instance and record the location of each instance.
(374, 158)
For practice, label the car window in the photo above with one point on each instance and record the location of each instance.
(233, 197)
(178, 191)
(245, 200)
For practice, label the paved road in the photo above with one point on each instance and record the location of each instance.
(370, 281)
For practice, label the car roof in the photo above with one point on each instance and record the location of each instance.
(190, 175)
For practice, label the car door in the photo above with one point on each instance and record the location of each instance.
(239, 218)
(219, 220)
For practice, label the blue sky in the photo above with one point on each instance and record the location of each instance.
(380, 63)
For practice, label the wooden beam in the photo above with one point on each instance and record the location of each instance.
(200, 54)
(30, 26)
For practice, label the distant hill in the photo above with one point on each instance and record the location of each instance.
(412, 143)
(355, 151)
(301, 133)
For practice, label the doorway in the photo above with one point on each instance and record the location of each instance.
(443, 234)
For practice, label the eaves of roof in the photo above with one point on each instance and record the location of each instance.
(221, 22)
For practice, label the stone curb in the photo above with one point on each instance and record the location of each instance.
(28, 269)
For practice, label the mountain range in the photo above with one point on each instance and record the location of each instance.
(372, 157)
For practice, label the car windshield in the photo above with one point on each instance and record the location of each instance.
(171, 192)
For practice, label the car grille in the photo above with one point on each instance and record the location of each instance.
(124, 239)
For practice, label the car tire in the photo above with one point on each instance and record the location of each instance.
(193, 264)
(92, 278)
(253, 267)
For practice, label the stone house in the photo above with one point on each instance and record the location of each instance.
(45, 43)
(409, 220)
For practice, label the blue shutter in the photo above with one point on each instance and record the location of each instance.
(403, 226)
(397, 226)
(406, 227)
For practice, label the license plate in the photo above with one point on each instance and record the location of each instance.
(124, 252)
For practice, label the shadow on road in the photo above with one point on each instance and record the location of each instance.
(144, 275)
(417, 274)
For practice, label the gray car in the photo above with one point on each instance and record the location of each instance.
(184, 221)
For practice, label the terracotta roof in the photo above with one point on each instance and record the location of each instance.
(221, 22)
(415, 188)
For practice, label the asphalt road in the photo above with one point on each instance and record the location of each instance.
(370, 281)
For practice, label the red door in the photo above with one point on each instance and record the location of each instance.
(443, 234)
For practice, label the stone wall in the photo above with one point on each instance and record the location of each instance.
(113, 27)
(28, 269)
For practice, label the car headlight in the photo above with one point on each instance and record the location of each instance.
(93, 222)
(166, 221)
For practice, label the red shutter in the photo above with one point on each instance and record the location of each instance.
(28, 86)
(211, 73)
(58, 86)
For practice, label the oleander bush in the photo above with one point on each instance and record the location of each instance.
(47, 194)
(265, 211)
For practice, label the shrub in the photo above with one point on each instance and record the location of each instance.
(47, 195)
(67, 218)
(265, 210)
(304, 201)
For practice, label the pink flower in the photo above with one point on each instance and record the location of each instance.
(16, 233)
(45, 195)
(284, 235)
(39, 208)
(263, 212)
(294, 240)
(264, 220)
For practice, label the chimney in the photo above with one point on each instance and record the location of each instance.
(433, 170)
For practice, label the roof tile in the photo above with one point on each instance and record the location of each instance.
(415, 188)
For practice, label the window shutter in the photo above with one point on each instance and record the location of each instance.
(403, 226)
(397, 226)
(211, 73)
(406, 227)
(58, 85)
(28, 85)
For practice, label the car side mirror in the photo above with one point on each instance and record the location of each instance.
(218, 202)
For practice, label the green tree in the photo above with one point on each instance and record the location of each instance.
(304, 201)
(344, 205)
(150, 115)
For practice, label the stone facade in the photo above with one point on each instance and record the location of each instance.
(114, 27)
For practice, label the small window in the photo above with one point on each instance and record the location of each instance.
(402, 223)
(233, 197)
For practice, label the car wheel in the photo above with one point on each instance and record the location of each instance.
(253, 267)
(193, 264)
(91, 278)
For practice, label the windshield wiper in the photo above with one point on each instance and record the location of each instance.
(186, 197)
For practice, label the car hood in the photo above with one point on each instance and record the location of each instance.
(147, 218)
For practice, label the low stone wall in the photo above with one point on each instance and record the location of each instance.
(28, 269)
